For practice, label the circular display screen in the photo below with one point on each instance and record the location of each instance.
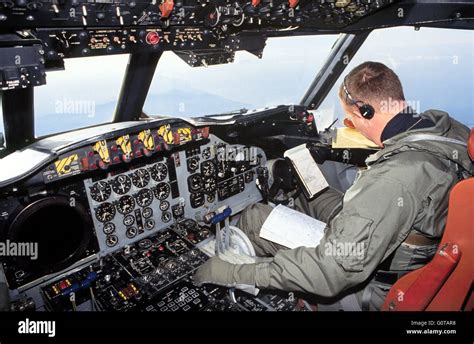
(56, 233)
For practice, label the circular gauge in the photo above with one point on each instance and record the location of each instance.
(141, 178)
(162, 191)
(145, 244)
(128, 220)
(111, 240)
(208, 169)
(144, 197)
(195, 182)
(211, 198)
(206, 153)
(125, 204)
(166, 217)
(100, 191)
(209, 185)
(150, 224)
(131, 232)
(164, 205)
(159, 172)
(105, 212)
(147, 213)
(109, 228)
(121, 184)
(193, 164)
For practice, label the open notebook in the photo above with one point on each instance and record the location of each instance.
(291, 228)
(307, 170)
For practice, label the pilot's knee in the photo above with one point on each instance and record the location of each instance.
(253, 217)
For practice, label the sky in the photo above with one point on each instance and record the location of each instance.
(436, 67)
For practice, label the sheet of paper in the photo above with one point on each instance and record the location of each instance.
(307, 169)
(291, 228)
(351, 138)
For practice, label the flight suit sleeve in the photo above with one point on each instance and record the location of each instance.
(376, 217)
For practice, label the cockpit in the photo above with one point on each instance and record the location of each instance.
(135, 133)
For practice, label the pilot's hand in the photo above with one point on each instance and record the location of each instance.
(217, 271)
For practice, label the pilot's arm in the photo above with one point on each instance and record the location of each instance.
(377, 215)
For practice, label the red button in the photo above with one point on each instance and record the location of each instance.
(152, 38)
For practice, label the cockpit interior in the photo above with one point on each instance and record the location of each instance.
(117, 216)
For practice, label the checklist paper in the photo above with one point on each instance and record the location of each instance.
(307, 171)
(291, 228)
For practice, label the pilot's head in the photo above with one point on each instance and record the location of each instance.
(371, 95)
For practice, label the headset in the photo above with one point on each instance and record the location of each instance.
(366, 110)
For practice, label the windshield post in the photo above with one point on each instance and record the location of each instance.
(18, 117)
(341, 54)
(135, 86)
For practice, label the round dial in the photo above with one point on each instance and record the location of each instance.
(105, 212)
(162, 191)
(159, 172)
(144, 197)
(121, 184)
(209, 185)
(211, 198)
(141, 178)
(128, 220)
(131, 232)
(150, 224)
(111, 240)
(208, 169)
(166, 217)
(147, 213)
(100, 191)
(193, 164)
(109, 228)
(195, 182)
(125, 204)
(206, 153)
(164, 205)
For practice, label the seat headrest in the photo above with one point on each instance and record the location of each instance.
(470, 145)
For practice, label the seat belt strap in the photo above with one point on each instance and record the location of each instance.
(461, 171)
(429, 137)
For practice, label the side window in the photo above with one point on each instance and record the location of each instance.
(83, 95)
(435, 67)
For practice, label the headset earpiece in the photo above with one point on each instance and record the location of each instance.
(367, 111)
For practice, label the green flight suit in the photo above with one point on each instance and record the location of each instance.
(404, 190)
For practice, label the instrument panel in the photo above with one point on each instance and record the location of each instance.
(132, 204)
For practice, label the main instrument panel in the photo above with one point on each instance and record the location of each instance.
(143, 196)
(194, 182)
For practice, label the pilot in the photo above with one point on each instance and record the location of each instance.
(395, 210)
